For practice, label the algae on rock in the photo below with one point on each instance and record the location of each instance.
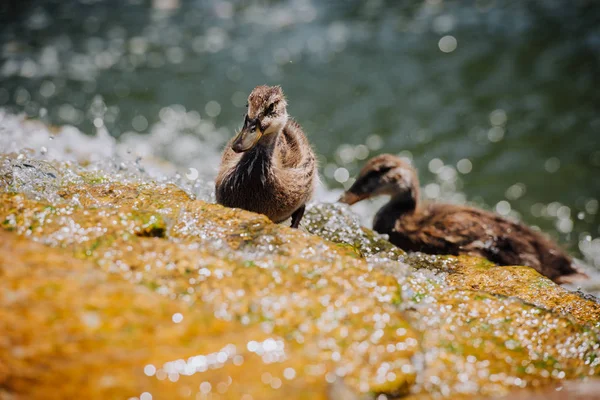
(147, 290)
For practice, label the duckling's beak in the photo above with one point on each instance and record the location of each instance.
(248, 136)
(351, 198)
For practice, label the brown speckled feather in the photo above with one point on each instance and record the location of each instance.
(450, 229)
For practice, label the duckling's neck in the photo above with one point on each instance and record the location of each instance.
(400, 204)
(404, 202)
(257, 162)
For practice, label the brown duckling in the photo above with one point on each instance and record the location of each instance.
(269, 167)
(452, 229)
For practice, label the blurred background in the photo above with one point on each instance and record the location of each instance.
(496, 102)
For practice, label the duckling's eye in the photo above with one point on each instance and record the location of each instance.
(270, 109)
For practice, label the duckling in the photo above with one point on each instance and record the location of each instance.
(269, 167)
(451, 229)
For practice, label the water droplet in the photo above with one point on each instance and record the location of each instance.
(341, 175)
(552, 164)
(464, 166)
(503, 207)
(448, 44)
(177, 318)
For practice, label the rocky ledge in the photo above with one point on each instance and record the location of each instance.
(128, 289)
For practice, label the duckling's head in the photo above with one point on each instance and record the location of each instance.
(266, 116)
(384, 174)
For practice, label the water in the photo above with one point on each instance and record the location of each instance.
(494, 102)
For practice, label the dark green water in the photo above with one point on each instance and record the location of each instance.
(508, 112)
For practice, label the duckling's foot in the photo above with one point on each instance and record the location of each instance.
(297, 216)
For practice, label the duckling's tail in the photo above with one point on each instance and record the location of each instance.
(574, 277)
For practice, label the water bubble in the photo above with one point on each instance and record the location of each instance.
(276, 383)
(252, 346)
(563, 212)
(205, 387)
(443, 24)
(177, 318)
(498, 117)
(435, 165)
(175, 55)
(139, 123)
(329, 170)
(503, 207)
(224, 9)
(515, 191)
(239, 99)
(149, 370)
(432, 190)
(464, 166)
(192, 174)
(448, 44)
(447, 173)
(70, 114)
(22, 96)
(345, 154)
(537, 210)
(591, 207)
(212, 108)
(361, 152)
(341, 175)
(495, 134)
(222, 387)
(91, 319)
(266, 378)
(552, 164)
(289, 373)
(552, 208)
(338, 35)
(564, 225)
(374, 142)
(406, 155)
(145, 396)
(138, 45)
(47, 89)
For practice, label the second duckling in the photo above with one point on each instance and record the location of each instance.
(269, 167)
(452, 229)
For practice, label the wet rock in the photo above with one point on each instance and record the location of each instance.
(136, 287)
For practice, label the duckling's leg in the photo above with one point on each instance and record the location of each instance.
(297, 216)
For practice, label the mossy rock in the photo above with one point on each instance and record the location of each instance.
(136, 287)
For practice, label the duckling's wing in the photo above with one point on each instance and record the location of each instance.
(466, 230)
(451, 229)
(229, 161)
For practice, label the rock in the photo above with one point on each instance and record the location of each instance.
(136, 287)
